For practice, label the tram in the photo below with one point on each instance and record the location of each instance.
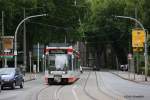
(63, 64)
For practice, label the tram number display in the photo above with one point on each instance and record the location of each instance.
(58, 51)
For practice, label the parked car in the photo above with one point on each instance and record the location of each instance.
(124, 67)
(11, 77)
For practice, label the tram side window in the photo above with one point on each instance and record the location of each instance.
(75, 63)
(70, 62)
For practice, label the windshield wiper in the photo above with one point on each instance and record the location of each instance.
(3, 74)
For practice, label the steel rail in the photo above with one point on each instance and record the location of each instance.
(43, 89)
(100, 90)
(57, 92)
(84, 88)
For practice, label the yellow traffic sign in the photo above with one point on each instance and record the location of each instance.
(138, 37)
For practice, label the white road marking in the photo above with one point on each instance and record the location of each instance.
(10, 95)
(74, 93)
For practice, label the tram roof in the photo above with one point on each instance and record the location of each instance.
(70, 47)
(58, 45)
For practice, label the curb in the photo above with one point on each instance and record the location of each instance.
(29, 80)
(128, 79)
(29, 77)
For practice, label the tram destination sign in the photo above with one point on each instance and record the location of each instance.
(57, 51)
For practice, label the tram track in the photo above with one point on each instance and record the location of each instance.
(83, 83)
(43, 89)
(114, 96)
(56, 93)
(97, 84)
(84, 88)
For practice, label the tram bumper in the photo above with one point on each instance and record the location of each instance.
(63, 79)
(59, 77)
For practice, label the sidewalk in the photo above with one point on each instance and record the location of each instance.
(29, 77)
(132, 77)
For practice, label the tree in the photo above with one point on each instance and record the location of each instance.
(102, 29)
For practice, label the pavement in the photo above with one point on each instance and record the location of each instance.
(138, 78)
(30, 76)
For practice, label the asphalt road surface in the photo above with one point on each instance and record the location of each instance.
(90, 86)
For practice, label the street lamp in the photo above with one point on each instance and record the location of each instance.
(43, 63)
(15, 40)
(145, 40)
(24, 36)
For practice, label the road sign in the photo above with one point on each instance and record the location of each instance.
(6, 50)
(129, 56)
(138, 38)
(15, 53)
(7, 42)
(6, 55)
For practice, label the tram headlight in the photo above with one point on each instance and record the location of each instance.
(64, 72)
(51, 72)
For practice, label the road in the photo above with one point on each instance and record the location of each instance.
(91, 86)
(124, 88)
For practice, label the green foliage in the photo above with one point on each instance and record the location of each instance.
(75, 19)
(101, 28)
(102, 23)
(62, 20)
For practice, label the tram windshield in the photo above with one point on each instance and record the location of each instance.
(58, 62)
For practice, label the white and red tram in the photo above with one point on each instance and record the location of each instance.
(62, 64)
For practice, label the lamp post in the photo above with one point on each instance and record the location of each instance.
(15, 40)
(43, 63)
(24, 36)
(145, 41)
(30, 57)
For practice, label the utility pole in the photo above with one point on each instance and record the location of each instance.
(30, 56)
(65, 39)
(43, 67)
(38, 58)
(137, 54)
(24, 42)
(136, 14)
(5, 59)
(2, 23)
(75, 2)
(2, 35)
